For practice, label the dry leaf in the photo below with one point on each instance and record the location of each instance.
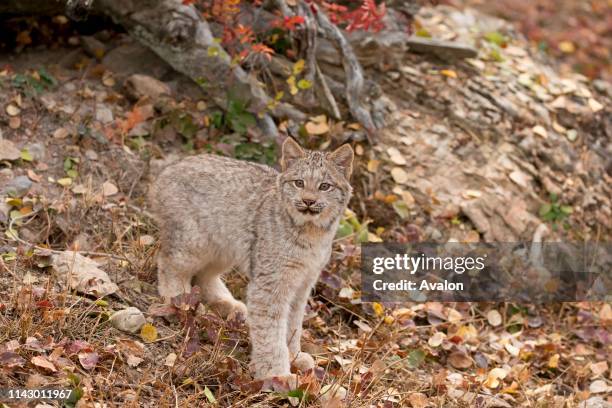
(553, 361)
(418, 400)
(88, 359)
(170, 360)
(399, 175)
(134, 361)
(379, 309)
(437, 339)
(373, 165)
(540, 131)
(12, 110)
(317, 129)
(396, 156)
(43, 362)
(449, 73)
(109, 189)
(494, 376)
(459, 359)
(15, 122)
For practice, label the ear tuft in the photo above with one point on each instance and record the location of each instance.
(291, 151)
(343, 158)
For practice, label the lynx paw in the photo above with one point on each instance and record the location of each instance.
(232, 309)
(303, 361)
(281, 383)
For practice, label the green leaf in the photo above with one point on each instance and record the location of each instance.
(401, 209)
(213, 51)
(545, 209)
(26, 156)
(299, 394)
(496, 38)
(496, 55)
(47, 77)
(304, 84)
(415, 358)
(422, 32)
(72, 173)
(209, 395)
(566, 209)
(362, 236)
(344, 230)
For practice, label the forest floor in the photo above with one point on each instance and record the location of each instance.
(480, 150)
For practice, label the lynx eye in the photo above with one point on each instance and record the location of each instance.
(325, 186)
(299, 183)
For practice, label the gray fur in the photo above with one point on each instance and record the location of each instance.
(217, 213)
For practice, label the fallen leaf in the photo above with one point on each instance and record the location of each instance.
(449, 73)
(437, 339)
(459, 359)
(10, 359)
(170, 360)
(148, 333)
(567, 47)
(88, 359)
(540, 131)
(373, 165)
(8, 151)
(61, 133)
(109, 189)
(418, 400)
(599, 386)
(15, 122)
(133, 361)
(65, 182)
(399, 175)
(317, 129)
(363, 325)
(83, 274)
(553, 361)
(12, 110)
(396, 156)
(599, 368)
(494, 376)
(379, 309)
(33, 176)
(43, 362)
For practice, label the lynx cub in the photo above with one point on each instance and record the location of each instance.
(217, 213)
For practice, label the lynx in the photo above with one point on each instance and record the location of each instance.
(217, 213)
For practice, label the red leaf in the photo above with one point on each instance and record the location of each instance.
(88, 360)
(10, 359)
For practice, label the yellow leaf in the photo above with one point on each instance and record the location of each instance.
(449, 73)
(66, 181)
(293, 89)
(148, 332)
(379, 309)
(304, 84)
(373, 165)
(298, 67)
(389, 319)
(553, 362)
(314, 128)
(567, 47)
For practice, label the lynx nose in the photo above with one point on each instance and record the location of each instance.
(308, 202)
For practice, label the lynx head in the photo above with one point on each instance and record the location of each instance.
(315, 185)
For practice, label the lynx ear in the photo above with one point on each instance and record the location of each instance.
(343, 158)
(291, 151)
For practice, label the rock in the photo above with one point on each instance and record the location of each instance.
(17, 187)
(93, 46)
(128, 320)
(133, 58)
(138, 86)
(82, 274)
(104, 114)
(37, 150)
(595, 402)
(8, 151)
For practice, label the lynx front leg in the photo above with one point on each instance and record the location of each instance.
(300, 360)
(268, 311)
(216, 294)
(174, 274)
